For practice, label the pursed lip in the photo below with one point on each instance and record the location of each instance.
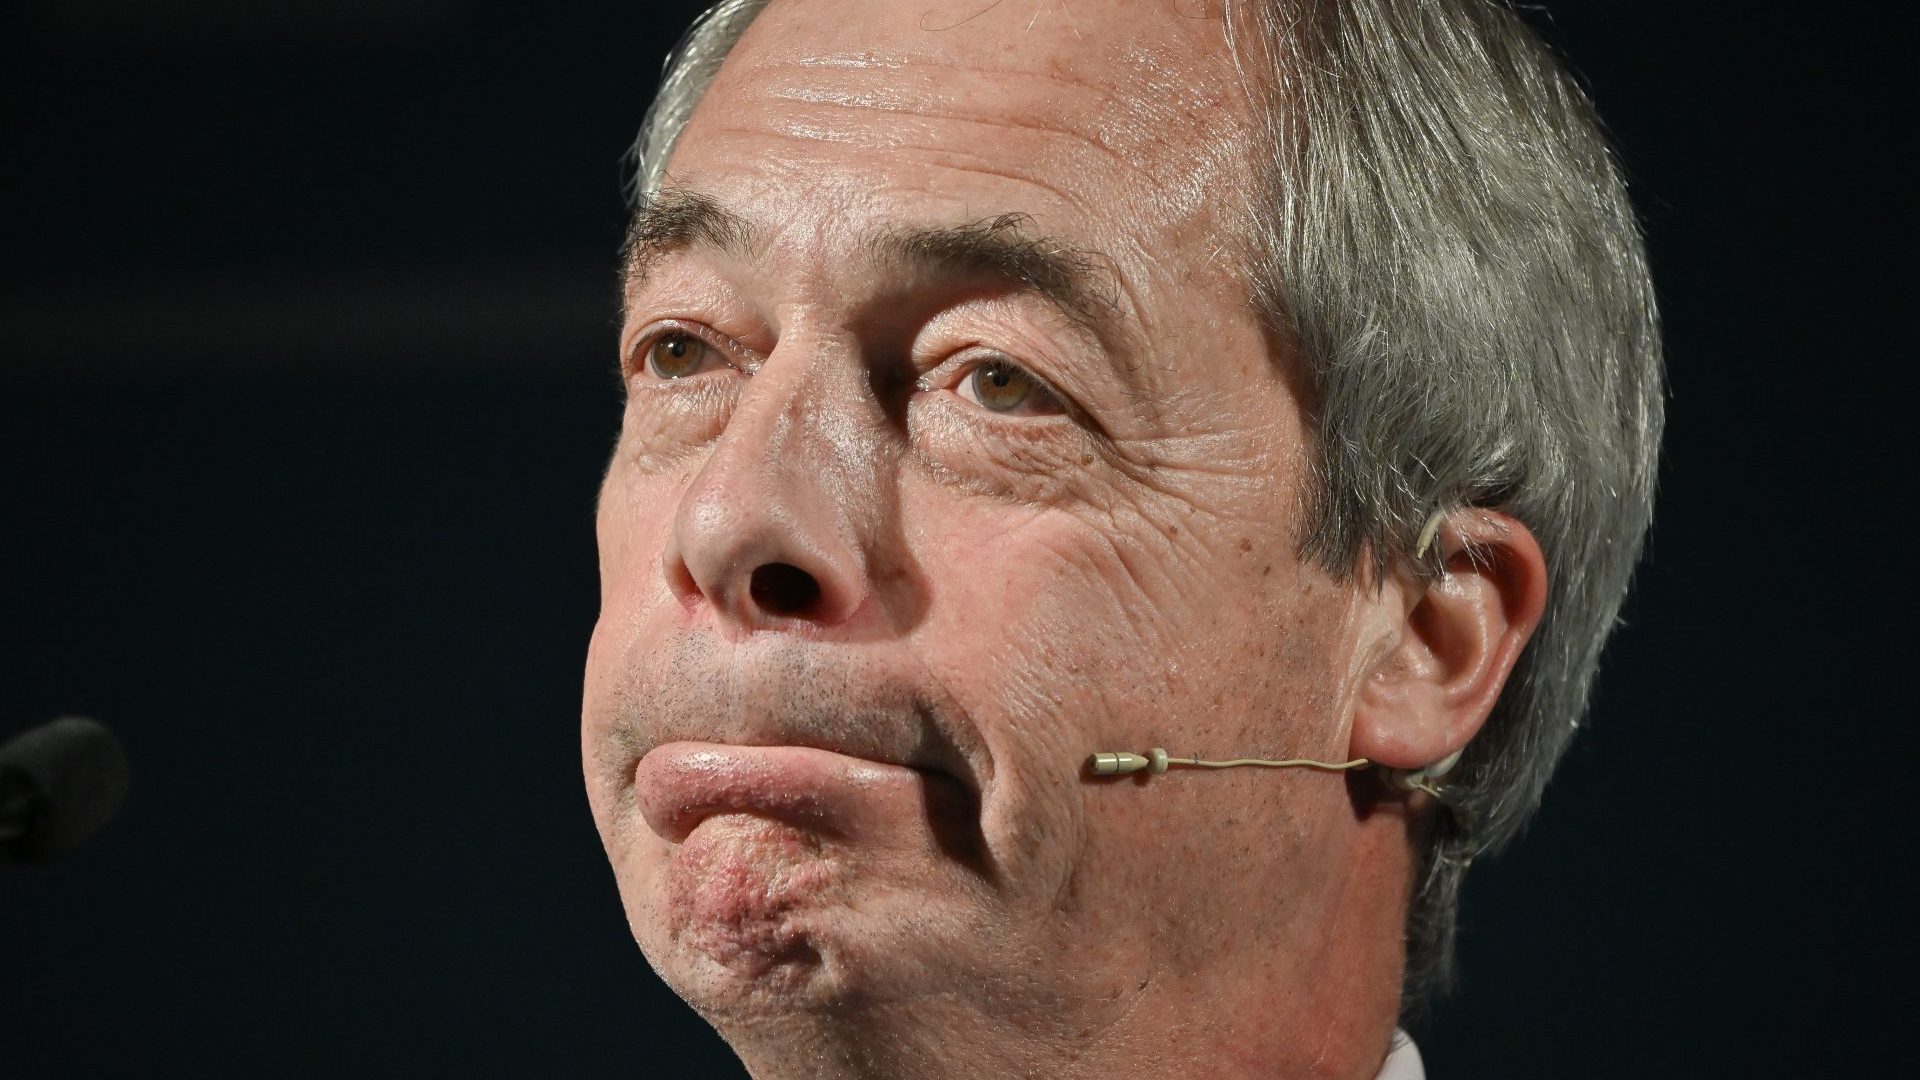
(825, 792)
(880, 737)
(798, 733)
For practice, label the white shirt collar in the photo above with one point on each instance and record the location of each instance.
(1403, 1060)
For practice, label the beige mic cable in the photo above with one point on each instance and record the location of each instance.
(1156, 761)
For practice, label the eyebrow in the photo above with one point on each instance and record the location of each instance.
(1080, 284)
(676, 219)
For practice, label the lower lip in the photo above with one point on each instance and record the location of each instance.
(681, 784)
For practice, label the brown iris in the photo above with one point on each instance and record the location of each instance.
(1004, 387)
(676, 356)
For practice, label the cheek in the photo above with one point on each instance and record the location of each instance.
(1027, 613)
(631, 527)
(1041, 628)
(1104, 602)
(1065, 632)
(627, 552)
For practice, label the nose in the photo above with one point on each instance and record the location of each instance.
(769, 530)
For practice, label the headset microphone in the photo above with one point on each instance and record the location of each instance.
(1157, 761)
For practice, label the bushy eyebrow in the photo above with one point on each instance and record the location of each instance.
(1003, 249)
(676, 219)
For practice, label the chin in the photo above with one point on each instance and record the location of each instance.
(751, 919)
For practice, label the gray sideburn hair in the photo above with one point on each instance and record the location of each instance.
(1445, 239)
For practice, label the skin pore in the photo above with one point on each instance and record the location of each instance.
(953, 451)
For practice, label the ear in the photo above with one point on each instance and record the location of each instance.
(1443, 665)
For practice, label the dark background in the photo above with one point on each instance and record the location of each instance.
(306, 331)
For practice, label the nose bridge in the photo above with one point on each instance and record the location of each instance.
(773, 526)
(815, 411)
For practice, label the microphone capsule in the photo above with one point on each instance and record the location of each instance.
(1111, 763)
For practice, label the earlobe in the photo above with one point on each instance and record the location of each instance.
(1454, 646)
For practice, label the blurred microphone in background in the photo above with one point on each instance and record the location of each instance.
(59, 783)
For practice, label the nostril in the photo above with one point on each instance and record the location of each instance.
(783, 589)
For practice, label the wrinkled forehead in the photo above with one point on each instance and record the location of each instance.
(1078, 102)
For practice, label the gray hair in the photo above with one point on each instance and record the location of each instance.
(1445, 239)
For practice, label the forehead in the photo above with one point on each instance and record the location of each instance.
(1122, 122)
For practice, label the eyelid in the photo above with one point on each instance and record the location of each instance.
(732, 353)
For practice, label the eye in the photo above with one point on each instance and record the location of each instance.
(1004, 387)
(677, 354)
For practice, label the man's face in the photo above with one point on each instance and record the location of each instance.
(910, 514)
